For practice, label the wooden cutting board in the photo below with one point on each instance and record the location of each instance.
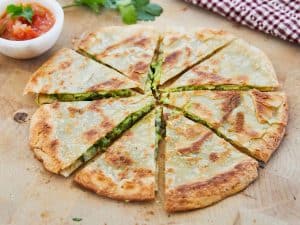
(31, 195)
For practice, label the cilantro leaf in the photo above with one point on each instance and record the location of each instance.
(123, 2)
(142, 15)
(130, 10)
(94, 5)
(147, 11)
(153, 9)
(141, 3)
(14, 9)
(127, 11)
(110, 4)
(25, 12)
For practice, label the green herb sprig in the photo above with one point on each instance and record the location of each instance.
(22, 11)
(131, 11)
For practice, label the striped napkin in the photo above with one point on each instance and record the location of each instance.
(280, 18)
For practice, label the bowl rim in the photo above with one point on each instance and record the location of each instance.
(57, 26)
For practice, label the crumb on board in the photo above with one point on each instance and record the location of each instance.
(20, 117)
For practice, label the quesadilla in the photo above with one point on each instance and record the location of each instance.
(252, 120)
(238, 66)
(126, 170)
(200, 167)
(129, 49)
(69, 76)
(63, 135)
(179, 50)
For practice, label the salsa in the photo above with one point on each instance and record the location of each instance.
(18, 28)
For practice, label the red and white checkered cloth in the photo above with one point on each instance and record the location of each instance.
(280, 18)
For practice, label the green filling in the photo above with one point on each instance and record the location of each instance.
(159, 128)
(104, 142)
(164, 98)
(156, 74)
(189, 115)
(64, 97)
(225, 87)
(85, 53)
(199, 120)
(159, 135)
(148, 84)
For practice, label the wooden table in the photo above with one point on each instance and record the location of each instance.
(30, 195)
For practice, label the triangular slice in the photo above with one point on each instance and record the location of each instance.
(200, 167)
(63, 135)
(129, 49)
(253, 120)
(179, 50)
(237, 66)
(126, 170)
(69, 76)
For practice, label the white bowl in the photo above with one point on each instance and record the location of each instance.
(37, 46)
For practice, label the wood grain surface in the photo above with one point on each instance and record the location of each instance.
(29, 195)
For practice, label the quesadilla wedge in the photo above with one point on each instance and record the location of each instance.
(252, 120)
(69, 76)
(64, 135)
(126, 170)
(200, 167)
(179, 50)
(129, 50)
(238, 66)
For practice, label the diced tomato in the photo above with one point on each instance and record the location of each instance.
(20, 29)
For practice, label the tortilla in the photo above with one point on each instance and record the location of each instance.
(179, 50)
(200, 167)
(129, 49)
(237, 66)
(63, 135)
(69, 76)
(252, 120)
(126, 170)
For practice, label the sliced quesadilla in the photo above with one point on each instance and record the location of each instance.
(69, 76)
(179, 50)
(200, 167)
(129, 50)
(239, 66)
(252, 120)
(126, 170)
(63, 135)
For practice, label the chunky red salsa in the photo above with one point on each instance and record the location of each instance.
(19, 29)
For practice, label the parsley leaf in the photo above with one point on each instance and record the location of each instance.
(25, 12)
